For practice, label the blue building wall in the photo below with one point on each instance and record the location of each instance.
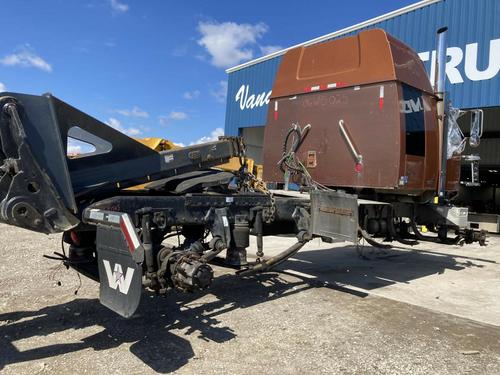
(473, 54)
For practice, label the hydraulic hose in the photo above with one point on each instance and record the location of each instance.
(287, 161)
(274, 261)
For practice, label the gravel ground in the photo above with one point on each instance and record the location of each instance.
(274, 323)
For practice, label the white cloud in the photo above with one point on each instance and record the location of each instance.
(214, 136)
(116, 124)
(77, 147)
(190, 95)
(178, 115)
(73, 149)
(180, 144)
(2, 87)
(220, 93)
(134, 112)
(229, 43)
(27, 58)
(144, 129)
(163, 120)
(173, 116)
(132, 131)
(119, 7)
(267, 50)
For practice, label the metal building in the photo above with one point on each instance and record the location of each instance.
(473, 71)
(473, 67)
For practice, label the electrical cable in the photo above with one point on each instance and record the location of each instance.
(289, 161)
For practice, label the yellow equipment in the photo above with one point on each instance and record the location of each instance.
(234, 164)
(160, 144)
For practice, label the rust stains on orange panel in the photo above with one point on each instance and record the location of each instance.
(369, 57)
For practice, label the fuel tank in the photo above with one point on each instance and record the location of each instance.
(372, 112)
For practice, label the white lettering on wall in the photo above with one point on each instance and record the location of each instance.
(456, 57)
(471, 61)
(452, 72)
(252, 101)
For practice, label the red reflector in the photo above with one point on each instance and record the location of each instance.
(358, 168)
(381, 103)
(381, 98)
(128, 238)
(74, 238)
(275, 116)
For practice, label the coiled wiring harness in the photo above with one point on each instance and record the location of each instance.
(290, 164)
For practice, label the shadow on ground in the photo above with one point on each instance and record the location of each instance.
(377, 268)
(150, 330)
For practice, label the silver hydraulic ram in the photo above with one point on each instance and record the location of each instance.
(442, 108)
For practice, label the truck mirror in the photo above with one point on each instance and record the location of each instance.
(476, 127)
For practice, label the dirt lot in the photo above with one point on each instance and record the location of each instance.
(433, 311)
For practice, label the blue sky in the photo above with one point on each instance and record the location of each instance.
(156, 68)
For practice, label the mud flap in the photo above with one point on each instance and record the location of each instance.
(119, 273)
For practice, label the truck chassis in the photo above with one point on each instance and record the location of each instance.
(116, 235)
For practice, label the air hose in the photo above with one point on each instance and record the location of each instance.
(274, 261)
(289, 160)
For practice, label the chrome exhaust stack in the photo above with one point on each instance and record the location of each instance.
(440, 78)
(442, 108)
